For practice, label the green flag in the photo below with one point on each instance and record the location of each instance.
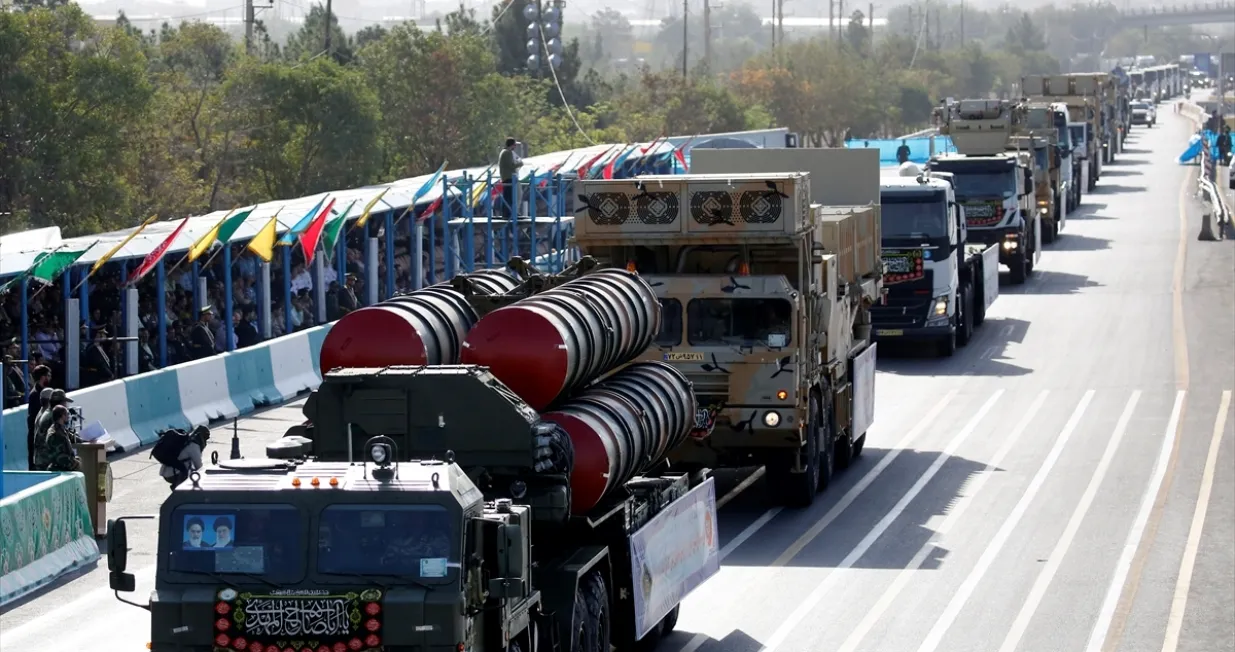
(49, 266)
(334, 228)
(228, 228)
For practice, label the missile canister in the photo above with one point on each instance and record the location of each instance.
(557, 341)
(425, 327)
(622, 425)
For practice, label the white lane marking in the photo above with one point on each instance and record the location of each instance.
(1047, 574)
(1097, 639)
(1179, 604)
(749, 531)
(742, 486)
(902, 578)
(935, 637)
(56, 618)
(700, 639)
(816, 596)
(852, 495)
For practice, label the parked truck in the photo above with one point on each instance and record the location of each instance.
(939, 284)
(766, 284)
(431, 507)
(1081, 95)
(995, 186)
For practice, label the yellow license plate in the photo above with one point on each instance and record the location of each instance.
(889, 332)
(686, 356)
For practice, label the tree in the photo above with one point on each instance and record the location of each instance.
(69, 99)
(857, 35)
(308, 128)
(310, 40)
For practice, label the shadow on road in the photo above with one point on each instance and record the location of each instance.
(735, 641)
(1049, 282)
(979, 358)
(1110, 188)
(1121, 173)
(896, 547)
(1075, 242)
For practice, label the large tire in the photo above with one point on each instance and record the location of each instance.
(825, 443)
(1019, 268)
(964, 323)
(796, 489)
(590, 629)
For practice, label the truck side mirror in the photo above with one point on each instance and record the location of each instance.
(117, 546)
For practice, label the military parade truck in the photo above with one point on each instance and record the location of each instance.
(1045, 133)
(1080, 94)
(1110, 110)
(766, 281)
(994, 186)
(939, 285)
(429, 512)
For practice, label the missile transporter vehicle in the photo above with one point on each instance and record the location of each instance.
(939, 285)
(765, 286)
(1082, 95)
(435, 510)
(1111, 109)
(994, 186)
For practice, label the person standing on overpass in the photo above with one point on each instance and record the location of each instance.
(508, 164)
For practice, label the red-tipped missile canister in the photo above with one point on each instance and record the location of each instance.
(425, 327)
(555, 342)
(621, 426)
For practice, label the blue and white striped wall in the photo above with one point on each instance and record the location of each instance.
(224, 386)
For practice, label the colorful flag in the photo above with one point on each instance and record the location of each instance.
(679, 153)
(221, 233)
(364, 216)
(107, 256)
(335, 228)
(156, 255)
(262, 244)
(312, 235)
(478, 189)
(587, 167)
(607, 171)
(437, 203)
(50, 265)
(424, 190)
(290, 237)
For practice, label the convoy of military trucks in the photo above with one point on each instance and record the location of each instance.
(517, 460)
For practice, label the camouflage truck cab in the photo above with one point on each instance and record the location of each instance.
(763, 296)
(1082, 96)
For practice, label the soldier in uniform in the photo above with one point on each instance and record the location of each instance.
(96, 365)
(201, 340)
(38, 458)
(347, 295)
(59, 441)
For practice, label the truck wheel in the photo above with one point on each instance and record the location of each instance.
(828, 445)
(964, 322)
(1019, 269)
(796, 489)
(1048, 232)
(858, 445)
(661, 630)
(590, 632)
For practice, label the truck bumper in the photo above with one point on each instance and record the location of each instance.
(1008, 238)
(913, 334)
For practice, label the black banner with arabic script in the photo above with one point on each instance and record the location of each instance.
(298, 621)
(902, 265)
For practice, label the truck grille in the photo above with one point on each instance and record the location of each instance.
(711, 388)
(901, 313)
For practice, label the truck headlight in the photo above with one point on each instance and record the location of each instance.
(379, 453)
(941, 306)
(1010, 243)
(771, 419)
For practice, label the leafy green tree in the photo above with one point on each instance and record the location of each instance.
(307, 128)
(310, 40)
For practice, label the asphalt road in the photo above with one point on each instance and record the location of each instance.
(1038, 492)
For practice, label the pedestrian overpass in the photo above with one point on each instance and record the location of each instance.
(1194, 13)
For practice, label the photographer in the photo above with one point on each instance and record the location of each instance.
(58, 444)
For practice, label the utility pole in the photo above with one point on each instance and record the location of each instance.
(938, 30)
(831, 19)
(962, 23)
(780, 22)
(870, 24)
(707, 31)
(327, 48)
(840, 18)
(249, 19)
(685, 39)
(772, 25)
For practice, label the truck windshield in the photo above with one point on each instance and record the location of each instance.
(923, 218)
(263, 540)
(1078, 134)
(670, 323)
(1040, 119)
(982, 185)
(740, 322)
(410, 540)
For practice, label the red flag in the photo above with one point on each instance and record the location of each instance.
(437, 203)
(645, 150)
(607, 173)
(587, 167)
(155, 256)
(313, 233)
(680, 156)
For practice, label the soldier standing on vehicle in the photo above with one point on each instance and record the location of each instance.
(508, 164)
(58, 444)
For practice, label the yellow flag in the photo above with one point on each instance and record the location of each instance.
(480, 187)
(364, 217)
(203, 243)
(262, 244)
(107, 256)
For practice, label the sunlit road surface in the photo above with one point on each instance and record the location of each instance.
(1063, 484)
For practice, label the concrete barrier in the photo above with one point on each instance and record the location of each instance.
(135, 409)
(45, 531)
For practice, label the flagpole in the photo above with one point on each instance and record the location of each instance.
(190, 251)
(227, 244)
(39, 259)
